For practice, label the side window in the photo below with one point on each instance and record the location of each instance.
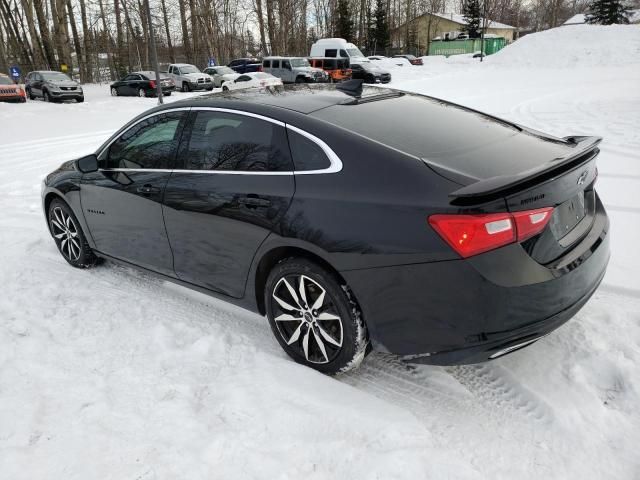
(266, 63)
(276, 63)
(151, 143)
(226, 141)
(243, 78)
(307, 155)
(343, 53)
(331, 52)
(286, 64)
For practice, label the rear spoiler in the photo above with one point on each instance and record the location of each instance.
(585, 148)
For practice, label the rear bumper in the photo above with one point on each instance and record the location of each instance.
(464, 311)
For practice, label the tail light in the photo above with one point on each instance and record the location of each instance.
(152, 83)
(260, 68)
(470, 235)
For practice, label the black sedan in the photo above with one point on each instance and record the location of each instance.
(142, 84)
(350, 219)
(370, 73)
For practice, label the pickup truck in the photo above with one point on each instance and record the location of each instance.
(188, 77)
(245, 65)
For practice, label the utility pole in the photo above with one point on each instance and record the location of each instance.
(484, 26)
(154, 53)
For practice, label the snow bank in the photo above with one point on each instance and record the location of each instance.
(573, 46)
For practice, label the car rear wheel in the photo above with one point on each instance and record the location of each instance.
(314, 317)
(225, 88)
(68, 235)
(114, 92)
(186, 87)
(141, 93)
(30, 94)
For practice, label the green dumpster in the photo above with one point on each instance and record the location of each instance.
(458, 47)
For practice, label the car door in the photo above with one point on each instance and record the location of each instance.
(36, 87)
(287, 72)
(122, 201)
(234, 185)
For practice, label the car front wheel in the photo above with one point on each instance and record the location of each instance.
(114, 92)
(314, 317)
(68, 235)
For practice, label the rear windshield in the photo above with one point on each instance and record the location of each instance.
(444, 134)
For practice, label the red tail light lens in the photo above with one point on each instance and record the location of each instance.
(470, 235)
(473, 234)
(531, 222)
(152, 83)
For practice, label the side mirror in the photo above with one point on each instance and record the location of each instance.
(88, 164)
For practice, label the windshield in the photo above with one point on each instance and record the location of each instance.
(354, 52)
(55, 76)
(223, 70)
(261, 75)
(299, 62)
(188, 69)
(5, 81)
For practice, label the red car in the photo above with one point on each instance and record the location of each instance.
(10, 92)
(412, 58)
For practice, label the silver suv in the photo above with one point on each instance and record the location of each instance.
(293, 70)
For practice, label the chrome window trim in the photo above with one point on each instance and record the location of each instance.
(335, 164)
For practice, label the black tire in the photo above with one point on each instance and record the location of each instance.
(299, 79)
(168, 94)
(334, 344)
(186, 87)
(46, 97)
(77, 253)
(225, 88)
(369, 79)
(142, 93)
(30, 94)
(80, 100)
(114, 92)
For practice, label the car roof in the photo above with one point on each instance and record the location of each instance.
(303, 99)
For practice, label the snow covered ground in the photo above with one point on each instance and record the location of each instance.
(112, 374)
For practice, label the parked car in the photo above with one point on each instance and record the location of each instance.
(370, 73)
(52, 87)
(187, 77)
(245, 65)
(337, 68)
(10, 92)
(293, 70)
(376, 57)
(221, 74)
(252, 80)
(337, 48)
(412, 59)
(468, 240)
(142, 84)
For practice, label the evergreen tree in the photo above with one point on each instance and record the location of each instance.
(344, 23)
(607, 12)
(379, 32)
(471, 12)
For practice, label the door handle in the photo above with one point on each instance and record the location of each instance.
(253, 201)
(148, 190)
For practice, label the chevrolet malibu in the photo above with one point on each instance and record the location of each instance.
(352, 219)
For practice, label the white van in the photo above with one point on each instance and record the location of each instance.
(338, 47)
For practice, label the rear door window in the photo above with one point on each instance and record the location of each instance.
(331, 52)
(275, 63)
(231, 142)
(266, 63)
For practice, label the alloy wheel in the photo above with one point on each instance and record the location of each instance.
(305, 318)
(65, 232)
(114, 92)
(141, 93)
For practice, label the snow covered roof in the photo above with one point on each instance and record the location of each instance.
(577, 19)
(459, 18)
